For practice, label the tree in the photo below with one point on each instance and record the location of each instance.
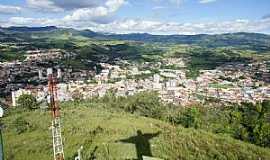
(190, 118)
(251, 123)
(27, 101)
(147, 104)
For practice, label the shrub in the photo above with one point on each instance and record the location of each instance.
(27, 101)
(190, 117)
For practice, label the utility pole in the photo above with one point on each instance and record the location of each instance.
(58, 148)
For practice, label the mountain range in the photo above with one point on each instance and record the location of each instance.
(253, 41)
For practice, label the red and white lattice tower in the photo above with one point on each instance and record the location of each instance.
(58, 148)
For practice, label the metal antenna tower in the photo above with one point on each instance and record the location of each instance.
(58, 148)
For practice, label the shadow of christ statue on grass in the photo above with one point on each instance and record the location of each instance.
(142, 144)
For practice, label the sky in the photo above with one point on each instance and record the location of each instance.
(141, 16)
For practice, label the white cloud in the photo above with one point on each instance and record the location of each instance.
(114, 5)
(155, 27)
(158, 7)
(23, 21)
(44, 5)
(206, 1)
(145, 26)
(63, 5)
(266, 16)
(96, 13)
(80, 10)
(76, 4)
(6, 9)
(177, 3)
(87, 14)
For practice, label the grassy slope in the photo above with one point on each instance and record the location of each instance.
(100, 129)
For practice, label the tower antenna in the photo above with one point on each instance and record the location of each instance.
(58, 148)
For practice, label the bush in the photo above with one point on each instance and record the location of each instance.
(190, 117)
(246, 122)
(147, 104)
(27, 101)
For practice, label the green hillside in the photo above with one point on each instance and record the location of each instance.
(252, 41)
(88, 48)
(103, 134)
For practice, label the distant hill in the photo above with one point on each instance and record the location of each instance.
(248, 40)
(201, 51)
(29, 29)
(254, 41)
